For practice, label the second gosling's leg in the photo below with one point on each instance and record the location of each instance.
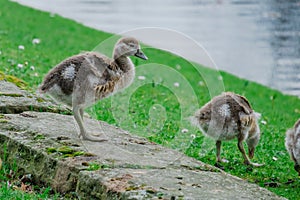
(242, 150)
(218, 147)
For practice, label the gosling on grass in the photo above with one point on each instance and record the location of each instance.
(292, 144)
(226, 117)
(81, 80)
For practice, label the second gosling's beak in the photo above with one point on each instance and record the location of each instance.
(297, 168)
(141, 55)
(251, 152)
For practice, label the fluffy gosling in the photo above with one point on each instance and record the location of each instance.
(226, 117)
(292, 144)
(81, 80)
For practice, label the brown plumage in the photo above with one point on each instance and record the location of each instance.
(292, 144)
(226, 117)
(81, 80)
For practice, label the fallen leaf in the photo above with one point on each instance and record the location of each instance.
(23, 187)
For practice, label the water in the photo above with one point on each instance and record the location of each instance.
(256, 40)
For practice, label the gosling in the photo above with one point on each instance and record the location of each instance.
(226, 117)
(82, 80)
(292, 144)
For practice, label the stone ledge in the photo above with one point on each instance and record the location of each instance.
(15, 100)
(131, 169)
(46, 146)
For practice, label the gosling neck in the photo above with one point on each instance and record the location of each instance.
(123, 62)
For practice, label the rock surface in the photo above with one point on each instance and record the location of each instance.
(47, 146)
(15, 100)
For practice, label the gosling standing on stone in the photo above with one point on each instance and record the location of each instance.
(226, 117)
(81, 80)
(292, 144)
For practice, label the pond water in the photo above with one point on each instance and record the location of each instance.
(257, 40)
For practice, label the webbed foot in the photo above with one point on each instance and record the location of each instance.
(93, 138)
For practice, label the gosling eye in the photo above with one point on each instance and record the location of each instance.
(131, 45)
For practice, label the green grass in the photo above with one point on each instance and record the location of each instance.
(14, 187)
(154, 107)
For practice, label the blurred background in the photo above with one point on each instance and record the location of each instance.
(256, 40)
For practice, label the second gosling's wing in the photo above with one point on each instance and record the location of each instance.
(297, 141)
(242, 102)
(246, 115)
(290, 143)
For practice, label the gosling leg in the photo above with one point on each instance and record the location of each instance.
(242, 150)
(246, 159)
(78, 115)
(218, 147)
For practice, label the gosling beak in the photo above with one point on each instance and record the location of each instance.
(251, 152)
(297, 168)
(141, 55)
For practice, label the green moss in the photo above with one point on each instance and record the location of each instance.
(13, 79)
(65, 150)
(39, 137)
(3, 121)
(40, 100)
(12, 128)
(54, 109)
(2, 76)
(78, 153)
(88, 154)
(93, 167)
(51, 150)
(11, 95)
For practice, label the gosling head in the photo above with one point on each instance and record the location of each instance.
(128, 46)
(297, 161)
(254, 134)
(297, 168)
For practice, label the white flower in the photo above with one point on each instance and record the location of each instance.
(193, 136)
(20, 65)
(8, 184)
(32, 68)
(36, 74)
(201, 83)
(176, 84)
(21, 47)
(263, 122)
(36, 41)
(141, 77)
(274, 158)
(184, 130)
